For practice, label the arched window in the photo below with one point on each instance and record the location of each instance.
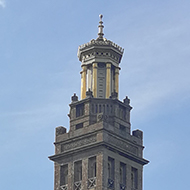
(110, 168)
(78, 171)
(111, 173)
(122, 173)
(134, 178)
(64, 175)
(92, 167)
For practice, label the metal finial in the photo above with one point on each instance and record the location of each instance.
(100, 31)
(101, 16)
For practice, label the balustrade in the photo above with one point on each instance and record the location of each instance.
(64, 187)
(92, 182)
(77, 185)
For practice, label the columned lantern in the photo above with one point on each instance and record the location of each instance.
(100, 60)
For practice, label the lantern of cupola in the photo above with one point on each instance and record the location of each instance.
(100, 59)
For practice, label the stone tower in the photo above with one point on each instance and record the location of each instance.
(99, 152)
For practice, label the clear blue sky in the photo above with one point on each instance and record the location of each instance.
(40, 72)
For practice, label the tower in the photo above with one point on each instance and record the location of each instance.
(99, 152)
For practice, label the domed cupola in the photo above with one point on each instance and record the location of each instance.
(100, 60)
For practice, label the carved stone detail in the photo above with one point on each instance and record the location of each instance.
(130, 148)
(102, 117)
(101, 43)
(78, 143)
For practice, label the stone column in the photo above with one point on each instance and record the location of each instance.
(70, 176)
(128, 176)
(117, 174)
(56, 176)
(99, 172)
(84, 173)
(117, 80)
(89, 80)
(140, 178)
(108, 80)
(94, 82)
(83, 81)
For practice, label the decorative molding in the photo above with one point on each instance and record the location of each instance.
(102, 117)
(101, 43)
(130, 148)
(78, 143)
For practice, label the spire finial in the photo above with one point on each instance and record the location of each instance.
(101, 16)
(100, 31)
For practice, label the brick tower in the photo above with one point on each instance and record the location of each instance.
(99, 152)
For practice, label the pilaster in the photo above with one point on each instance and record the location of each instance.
(94, 85)
(117, 79)
(99, 171)
(70, 176)
(140, 178)
(83, 82)
(117, 174)
(128, 176)
(108, 80)
(84, 173)
(56, 176)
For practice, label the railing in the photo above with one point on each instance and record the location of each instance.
(122, 187)
(102, 108)
(110, 183)
(77, 185)
(64, 187)
(109, 109)
(92, 182)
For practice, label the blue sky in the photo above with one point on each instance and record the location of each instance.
(40, 72)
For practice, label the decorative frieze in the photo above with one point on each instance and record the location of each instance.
(124, 145)
(78, 143)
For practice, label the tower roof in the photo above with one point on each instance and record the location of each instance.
(93, 49)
